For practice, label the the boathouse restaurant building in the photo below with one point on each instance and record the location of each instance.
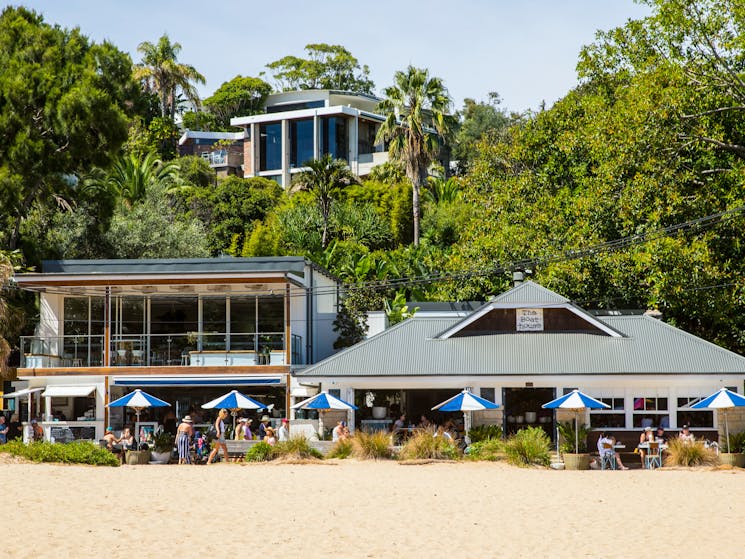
(185, 330)
(522, 349)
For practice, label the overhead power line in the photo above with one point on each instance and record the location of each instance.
(695, 225)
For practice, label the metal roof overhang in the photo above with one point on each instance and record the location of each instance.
(193, 380)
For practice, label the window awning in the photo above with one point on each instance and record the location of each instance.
(63, 391)
(24, 392)
(193, 380)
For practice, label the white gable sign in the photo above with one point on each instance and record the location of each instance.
(529, 320)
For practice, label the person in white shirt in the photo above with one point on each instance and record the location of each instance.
(284, 431)
(603, 448)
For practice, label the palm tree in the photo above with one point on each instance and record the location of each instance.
(441, 191)
(131, 176)
(324, 178)
(416, 113)
(161, 73)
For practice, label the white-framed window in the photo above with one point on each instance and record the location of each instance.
(613, 416)
(651, 411)
(693, 418)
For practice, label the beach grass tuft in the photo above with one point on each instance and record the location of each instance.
(341, 449)
(423, 445)
(689, 454)
(529, 446)
(371, 446)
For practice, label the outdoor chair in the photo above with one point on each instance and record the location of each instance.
(653, 457)
(608, 457)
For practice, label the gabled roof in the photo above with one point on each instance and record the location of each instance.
(529, 295)
(648, 346)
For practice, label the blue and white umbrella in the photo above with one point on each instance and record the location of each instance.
(138, 401)
(722, 399)
(577, 401)
(234, 401)
(466, 401)
(324, 401)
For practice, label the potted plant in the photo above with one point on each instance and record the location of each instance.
(162, 446)
(735, 456)
(574, 459)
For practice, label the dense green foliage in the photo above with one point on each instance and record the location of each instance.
(62, 110)
(486, 449)
(485, 433)
(572, 437)
(241, 96)
(326, 67)
(76, 452)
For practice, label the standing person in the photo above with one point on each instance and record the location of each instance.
(184, 432)
(15, 428)
(240, 430)
(284, 430)
(262, 427)
(219, 441)
(3, 430)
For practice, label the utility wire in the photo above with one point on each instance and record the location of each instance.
(698, 224)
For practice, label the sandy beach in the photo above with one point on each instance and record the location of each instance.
(368, 509)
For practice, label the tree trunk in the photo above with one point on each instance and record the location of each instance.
(416, 185)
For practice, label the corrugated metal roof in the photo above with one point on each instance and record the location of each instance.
(530, 292)
(649, 347)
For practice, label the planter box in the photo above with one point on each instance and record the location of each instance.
(136, 457)
(576, 461)
(734, 459)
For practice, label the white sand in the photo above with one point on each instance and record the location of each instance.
(368, 509)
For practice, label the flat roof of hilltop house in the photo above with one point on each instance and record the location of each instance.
(481, 345)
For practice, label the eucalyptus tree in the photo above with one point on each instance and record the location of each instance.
(162, 73)
(416, 108)
(324, 178)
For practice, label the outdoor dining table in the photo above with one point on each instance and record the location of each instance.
(645, 446)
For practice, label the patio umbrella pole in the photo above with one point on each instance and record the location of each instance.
(576, 432)
(726, 428)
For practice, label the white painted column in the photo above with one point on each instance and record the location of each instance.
(285, 154)
(316, 136)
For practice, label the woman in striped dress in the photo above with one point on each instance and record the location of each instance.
(183, 436)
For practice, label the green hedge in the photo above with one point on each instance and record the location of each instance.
(77, 452)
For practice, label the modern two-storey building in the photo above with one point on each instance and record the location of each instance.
(184, 330)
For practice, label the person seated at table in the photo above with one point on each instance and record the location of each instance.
(400, 423)
(240, 430)
(110, 439)
(660, 435)
(606, 444)
(686, 436)
(424, 422)
(127, 439)
(644, 439)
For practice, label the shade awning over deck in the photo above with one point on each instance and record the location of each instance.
(24, 392)
(191, 380)
(66, 391)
